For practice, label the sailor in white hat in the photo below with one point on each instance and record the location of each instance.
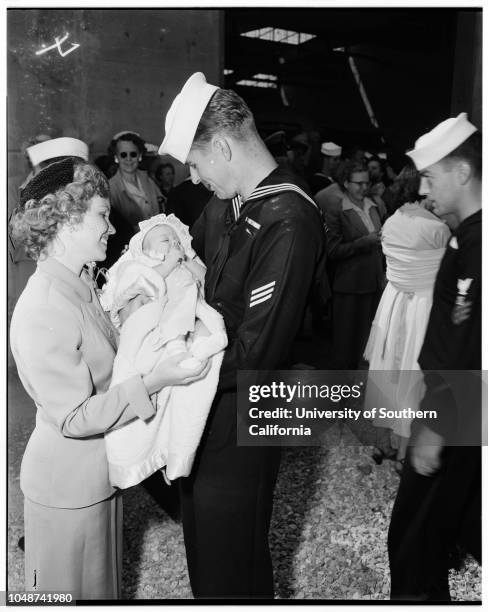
(437, 512)
(48, 150)
(261, 238)
(331, 157)
(45, 152)
(330, 149)
(429, 155)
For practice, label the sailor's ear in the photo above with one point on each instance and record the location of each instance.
(221, 146)
(464, 171)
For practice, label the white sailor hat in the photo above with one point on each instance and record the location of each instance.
(151, 149)
(57, 147)
(184, 115)
(330, 149)
(439, 142)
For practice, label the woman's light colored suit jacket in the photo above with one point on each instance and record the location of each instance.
(64, 347)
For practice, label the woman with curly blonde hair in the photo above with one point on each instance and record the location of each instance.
(64, 348)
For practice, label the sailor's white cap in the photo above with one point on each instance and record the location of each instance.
(184, 115)
(439, 142)
(330, 149)
(151, 149)
(57, 147)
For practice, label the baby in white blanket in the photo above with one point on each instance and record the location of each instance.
(161, 278)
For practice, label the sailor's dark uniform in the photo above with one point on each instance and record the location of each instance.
(262, 258)
(319, 181)
(437, 519)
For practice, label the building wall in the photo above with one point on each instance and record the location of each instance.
(124, 75)
(467, 77)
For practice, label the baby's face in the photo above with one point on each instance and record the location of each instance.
(160, 241)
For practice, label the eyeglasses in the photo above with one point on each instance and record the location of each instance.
(132, 154)
(364, 183)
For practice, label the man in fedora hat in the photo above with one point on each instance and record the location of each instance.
(261, 238)
(436, 518)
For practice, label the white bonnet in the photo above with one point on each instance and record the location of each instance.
(181, 230)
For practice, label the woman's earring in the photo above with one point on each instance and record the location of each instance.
(116, 160)
(140, 159)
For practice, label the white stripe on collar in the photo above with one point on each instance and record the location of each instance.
(236, 206)
(261, 192)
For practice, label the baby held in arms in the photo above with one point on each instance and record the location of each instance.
(154, 294)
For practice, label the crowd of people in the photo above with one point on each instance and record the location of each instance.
(391, 263)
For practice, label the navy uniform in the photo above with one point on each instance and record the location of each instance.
(187, 201)
(262, 257)
(437, 519)
(319, 181)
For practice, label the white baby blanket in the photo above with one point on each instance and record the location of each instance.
(171, 437)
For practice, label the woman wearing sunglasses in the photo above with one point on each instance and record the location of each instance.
(133, 193)
(354, 245)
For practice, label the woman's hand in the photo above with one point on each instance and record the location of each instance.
(369, 241)
(169, 373)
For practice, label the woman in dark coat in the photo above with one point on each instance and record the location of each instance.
(354, 244)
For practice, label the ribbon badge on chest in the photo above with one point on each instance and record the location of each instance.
(251, 226)
(462, 308)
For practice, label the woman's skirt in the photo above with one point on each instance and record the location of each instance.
(74, 550)
(397, 335)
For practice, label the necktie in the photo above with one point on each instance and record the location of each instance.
(222, 251)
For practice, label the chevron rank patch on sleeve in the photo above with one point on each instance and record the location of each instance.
(261, 294)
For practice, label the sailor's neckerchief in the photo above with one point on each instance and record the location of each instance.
(234, 214)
